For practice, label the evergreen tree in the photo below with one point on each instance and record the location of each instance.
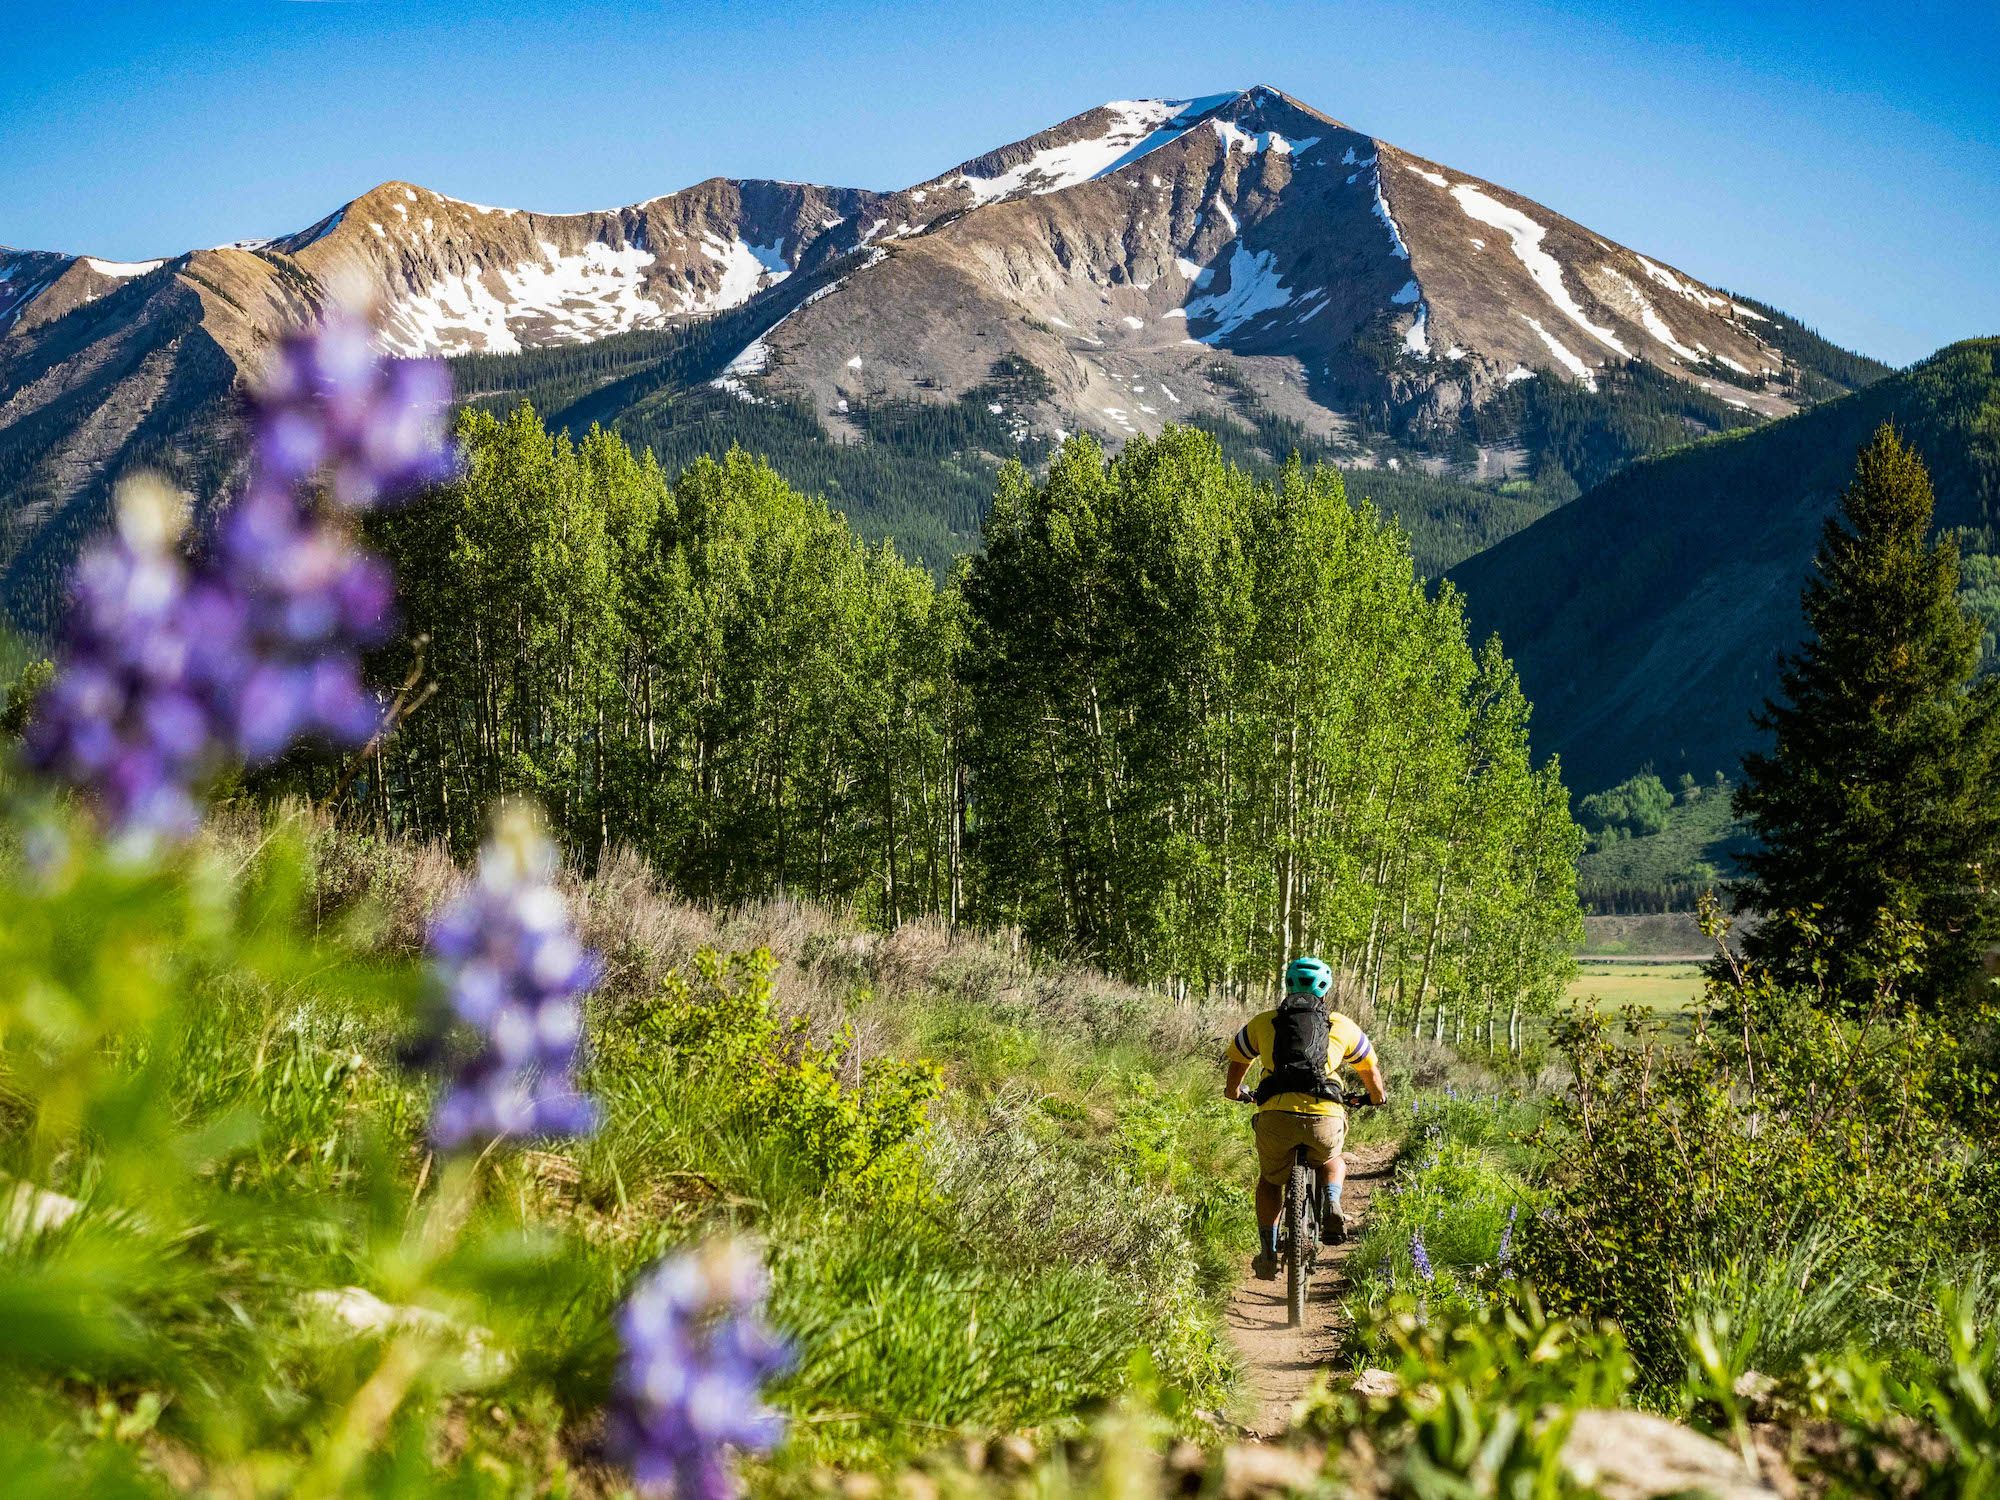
(1878, 804)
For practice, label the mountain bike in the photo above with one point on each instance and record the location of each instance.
(1299, 1221)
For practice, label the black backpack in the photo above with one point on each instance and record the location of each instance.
(1298, 1051)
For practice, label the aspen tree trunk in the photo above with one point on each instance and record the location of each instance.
(957, 840)
(1431, 941)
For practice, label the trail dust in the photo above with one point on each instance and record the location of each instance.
(1279, 1361)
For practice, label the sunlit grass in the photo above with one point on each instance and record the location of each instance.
(1664, 987)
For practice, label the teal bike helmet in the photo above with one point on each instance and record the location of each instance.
(1308, 976)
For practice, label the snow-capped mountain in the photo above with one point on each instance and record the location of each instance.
(1148, 259)
(1123, 252)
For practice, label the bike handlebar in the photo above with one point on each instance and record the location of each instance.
(1352, 1098)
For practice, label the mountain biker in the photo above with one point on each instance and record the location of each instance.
(1302, 1045)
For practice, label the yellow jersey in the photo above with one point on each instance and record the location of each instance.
(1347, 1046)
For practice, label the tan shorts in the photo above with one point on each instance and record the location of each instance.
(1279, 1132)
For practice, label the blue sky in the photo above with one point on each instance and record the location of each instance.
(1839, 160)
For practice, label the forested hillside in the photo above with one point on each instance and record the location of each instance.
(1176, 718)
(921, 472)
(1647, 616)
(1651, 849)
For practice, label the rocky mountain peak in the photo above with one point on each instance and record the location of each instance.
(1238, 258)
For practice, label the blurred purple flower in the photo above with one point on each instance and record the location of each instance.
(294, 599)
(124, 720)
(1507, 1238)
(1420, 1256)
(330, 406)
(511, 968)
(697, 1354)
(263, 646)
(290, 602)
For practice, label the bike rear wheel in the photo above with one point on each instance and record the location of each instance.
(1299, 1237)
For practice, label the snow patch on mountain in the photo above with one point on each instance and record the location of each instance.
(1649, 317)
(1543, 268)
(746, 270)
(1254, 289)
(1564, 355)
(560, 299)
(122, 270)
(755, 357)
(1416, 338)
(1234, 137)
(1137, 128)
(1381, 209)
(1199, 276)
(1709, 301)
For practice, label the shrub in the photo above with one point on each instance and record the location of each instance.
(721, 1028)
(1772, 1119)
(1484, 1396)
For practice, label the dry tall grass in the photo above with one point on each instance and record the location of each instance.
(830, 967)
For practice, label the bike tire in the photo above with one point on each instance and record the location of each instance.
(1298, 1234)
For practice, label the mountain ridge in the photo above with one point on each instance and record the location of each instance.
(1681, 573)
(1237, 260)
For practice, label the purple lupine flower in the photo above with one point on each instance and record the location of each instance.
(511, 967)
(1420, 1256)
(329, 407)
(124, 720)
(291, 601)
(263, 645)
(697, 1354)
(1507, 1238)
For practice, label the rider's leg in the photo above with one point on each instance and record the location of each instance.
(1332, 1179)
(1273, 1155)
(1270, 1203)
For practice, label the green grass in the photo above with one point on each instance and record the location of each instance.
(987, 1191)
(1663, 987)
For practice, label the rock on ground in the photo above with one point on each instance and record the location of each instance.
(1632, 1455)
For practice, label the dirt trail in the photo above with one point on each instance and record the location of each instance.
(1279, 1361)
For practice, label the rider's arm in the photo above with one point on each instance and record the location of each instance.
(1239, 1055)
(1368, 1068)
(1232, 1079)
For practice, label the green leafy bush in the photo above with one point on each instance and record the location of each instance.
(1775, 1117)
(1484, 1396)
(722, 1027)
